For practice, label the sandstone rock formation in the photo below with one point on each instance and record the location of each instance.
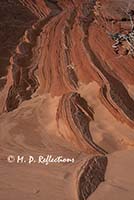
(65, 92)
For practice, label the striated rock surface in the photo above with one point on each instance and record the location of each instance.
(12, 26)
(92, 176)
(65, 92)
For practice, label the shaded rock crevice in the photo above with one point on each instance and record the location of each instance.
(25, 82)
(93, 174)
(13, 23)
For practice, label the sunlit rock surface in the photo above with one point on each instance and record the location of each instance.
(65, 92)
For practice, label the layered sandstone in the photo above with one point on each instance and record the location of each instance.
(64, 91)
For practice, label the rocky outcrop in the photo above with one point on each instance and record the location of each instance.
(74, 111)
(64, 88)
(93, 174)
(23, 67)
(12, 26)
